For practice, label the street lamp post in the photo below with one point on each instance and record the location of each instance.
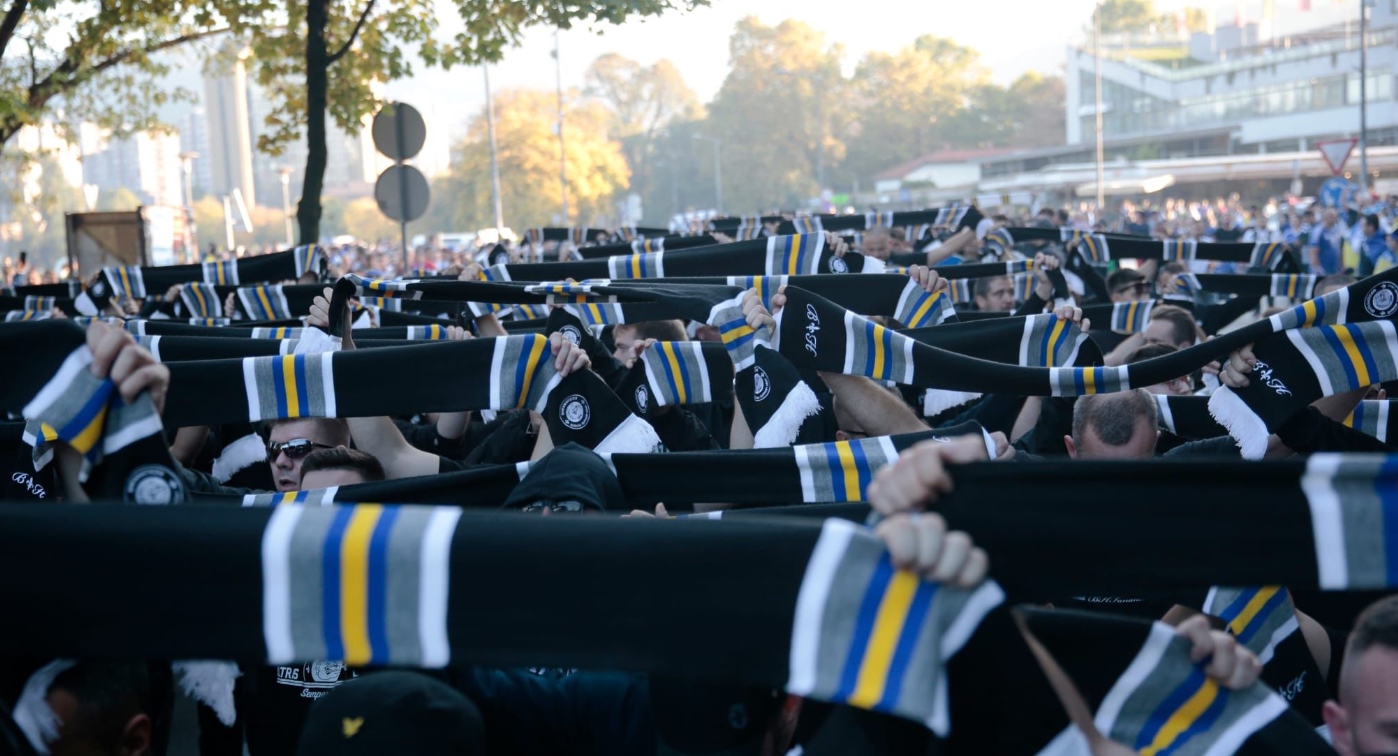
(286, 204)
(718, 171)
(1364, 97)
(1097, 74)
(494, 165)
(562, 147)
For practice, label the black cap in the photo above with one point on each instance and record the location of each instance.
(711, 719)
(393, 712)
(570, 474)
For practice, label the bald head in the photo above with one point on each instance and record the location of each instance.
(1114, 426)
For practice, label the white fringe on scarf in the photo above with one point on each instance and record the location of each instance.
(238, 456)
(632, 436)
(32, 712)
(1242, 423)
(210, 683)
(937, 401)
(785, 423)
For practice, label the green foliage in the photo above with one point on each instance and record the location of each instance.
(94, 59)
(776, 110)
(1126, 16)
(528, 159)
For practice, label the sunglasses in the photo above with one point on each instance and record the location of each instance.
(1138, 287)
(296, 448)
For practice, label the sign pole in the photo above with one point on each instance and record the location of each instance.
(402, 187)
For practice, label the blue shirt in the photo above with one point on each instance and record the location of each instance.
(1374, 247)
(1330, 243)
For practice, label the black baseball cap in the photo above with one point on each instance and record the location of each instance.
(711, 719)
(393, 712)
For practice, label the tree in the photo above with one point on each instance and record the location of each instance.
(777, 114)
(119, 199)
(913, 102)
(643, 100)
(363, 220)
(298, 45)
(528, 159)
(1027, 113)
(1196, 20)
(94, 57)
(1126, 16)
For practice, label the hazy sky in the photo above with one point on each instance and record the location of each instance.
(1012, 36)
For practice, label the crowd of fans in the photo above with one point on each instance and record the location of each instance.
(111, 707)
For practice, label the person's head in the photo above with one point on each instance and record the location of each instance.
(878, 243)
(1392, 240)
(393, 711)
(1175, 387)
(1371, 224)
(995, 294)
(1167, 273)
(289, 442)
(104, 707)
(1329, 218)
(1114, 426)
(1365, 718)
(1173, 326)
(339, 466)
(1127, 285)
(1333, 283)
(626, 335)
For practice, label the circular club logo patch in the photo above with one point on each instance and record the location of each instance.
(838, 265)
(571, 333)
(1382, 300)
(642, 398)
(574, 412)
(761, 385)
(153, 484)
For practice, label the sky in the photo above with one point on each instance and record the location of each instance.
(1012, 37)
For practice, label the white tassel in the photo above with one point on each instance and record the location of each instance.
(210, 683)
(1242, 423)
(315, 341)
(633, 436)
(32, 713)
(785, 423)
(238, 456)
(937, 401)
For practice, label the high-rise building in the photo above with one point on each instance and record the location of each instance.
(230, 130)
(194, 137)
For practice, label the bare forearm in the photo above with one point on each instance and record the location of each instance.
(452, 425)
(381, 439)
(878, 411)
(189, 441)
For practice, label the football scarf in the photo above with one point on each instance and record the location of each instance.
(1100, 249)
(136, 282)
(89, 415)
(1299, 366)
(793, 254)
(956, 217)
(1187, 417)
(659, 243)
(1150, 695)
(399, 585)
(1033, 341)
(834, 472)
(505, 373)
(1375, 418)
(582, 409)
(815, 334)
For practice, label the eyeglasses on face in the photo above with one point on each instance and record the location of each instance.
(296, 448)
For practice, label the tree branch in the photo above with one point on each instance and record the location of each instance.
(11, 22)
(41, 93)
(340, 53)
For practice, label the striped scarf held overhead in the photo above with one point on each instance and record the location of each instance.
(834, 472)
(1159, 700)
(1033, 341)
(137, 282)
(1298, 367)
(818, 335)
(1100, 249)
(401, 585)
(504, 373)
